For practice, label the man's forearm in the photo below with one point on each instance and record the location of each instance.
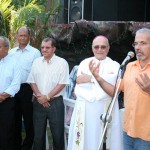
(84, 78)
(35, 89)
(55, 91)
(107, 87)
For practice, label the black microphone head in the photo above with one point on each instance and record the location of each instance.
(131, 54)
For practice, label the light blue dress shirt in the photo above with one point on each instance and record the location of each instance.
(25, 59)
(72, 78)
(10, 76)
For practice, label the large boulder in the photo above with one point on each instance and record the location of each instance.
(74, 40)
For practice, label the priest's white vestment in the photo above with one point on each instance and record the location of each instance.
(92, 101)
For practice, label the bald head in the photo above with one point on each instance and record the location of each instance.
(101, 38)
(100, 47)
(24, 29)
(23, 37)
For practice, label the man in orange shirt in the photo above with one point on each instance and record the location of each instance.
(137, 97)
(136, 88)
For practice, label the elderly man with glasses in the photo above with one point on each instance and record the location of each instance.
(93, 100)
(136, 134)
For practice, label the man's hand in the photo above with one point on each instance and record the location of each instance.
(144, 82)
(42, 99)
(94, 69)
(46, 105)
(3, 96)
(83, 78)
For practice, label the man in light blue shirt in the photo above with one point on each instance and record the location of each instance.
(25, 54)
(9, 86)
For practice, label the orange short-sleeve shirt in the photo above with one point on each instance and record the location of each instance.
(137, 103)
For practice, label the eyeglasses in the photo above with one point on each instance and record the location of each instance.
(139, 43)
(96, 47)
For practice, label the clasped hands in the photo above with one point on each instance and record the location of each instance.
(43, 100)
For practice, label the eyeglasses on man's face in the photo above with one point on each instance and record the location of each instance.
(142, 43)
(97, 47)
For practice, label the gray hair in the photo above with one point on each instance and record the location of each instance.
(6, 41)
(143, 30)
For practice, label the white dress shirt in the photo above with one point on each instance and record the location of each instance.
(48, 75)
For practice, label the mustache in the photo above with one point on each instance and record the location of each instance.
(139, 51)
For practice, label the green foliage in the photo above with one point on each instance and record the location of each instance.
(37, 18)
(2, 32)
(38, 15)
(25, 15)
(20, 3)
(5, 8)
(42, 27)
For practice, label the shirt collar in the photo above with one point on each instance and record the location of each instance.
(101, 60)
(137, 63)
(25, 49)
(51, 60)
(4, 59)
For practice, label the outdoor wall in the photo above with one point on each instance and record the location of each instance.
(74, 40)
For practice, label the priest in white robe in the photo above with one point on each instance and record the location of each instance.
(93, 99)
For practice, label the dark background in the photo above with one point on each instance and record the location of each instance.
(84, 19)
(118, 20)
(107, 10)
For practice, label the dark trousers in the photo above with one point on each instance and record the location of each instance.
(24, 109)
(7, 124)
(55, 115)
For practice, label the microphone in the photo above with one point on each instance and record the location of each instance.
(128, 57)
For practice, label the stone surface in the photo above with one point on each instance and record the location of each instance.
(74, 40)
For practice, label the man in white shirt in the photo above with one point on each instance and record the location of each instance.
(48, 78)
(24, 54)
(93, 100)
(9, 86)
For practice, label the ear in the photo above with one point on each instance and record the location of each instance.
(54, 49)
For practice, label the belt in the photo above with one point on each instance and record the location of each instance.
(53, 98)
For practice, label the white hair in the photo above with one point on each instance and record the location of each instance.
(143, 30)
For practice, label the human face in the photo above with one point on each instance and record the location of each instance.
(47, 50)
(100, 48)
(23, 37)
(3, 49)
(142, 47)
